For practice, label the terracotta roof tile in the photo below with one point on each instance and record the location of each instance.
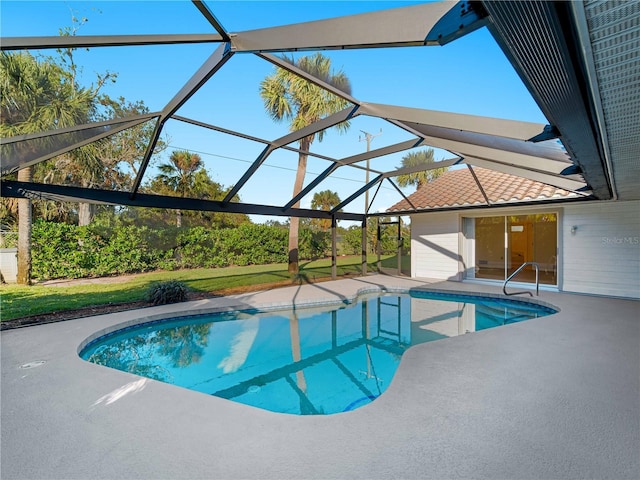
(458, 188)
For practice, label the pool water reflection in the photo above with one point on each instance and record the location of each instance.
(305, 361)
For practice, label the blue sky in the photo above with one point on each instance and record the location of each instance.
(470, 75)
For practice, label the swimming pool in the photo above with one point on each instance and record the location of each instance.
(303, 361)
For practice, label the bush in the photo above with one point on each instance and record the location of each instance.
(314, 244)
(171, 291)
(114, 248)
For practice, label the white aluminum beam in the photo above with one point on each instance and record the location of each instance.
(204, 73)
(87, 41)
(10, 165)
(558, 182)
(211, 18)
(315, 127)
(387, 28)
(542, 149)
(457, 121)
(75, 128)
(379, 152)
(248, 137)
(422, 168)
(282, 63)
(493, 154)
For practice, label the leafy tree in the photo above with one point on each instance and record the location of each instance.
(179, 177)
(36, 95)
(324, 200)
(352, 240)
(81, 166)
(185, 176)
(122, 153)
(110, 163)
(414, 159)
(288, 97)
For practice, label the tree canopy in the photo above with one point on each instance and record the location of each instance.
(415, 159)
(289, 97)
(324, 200)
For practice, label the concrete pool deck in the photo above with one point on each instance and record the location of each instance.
(555, 397)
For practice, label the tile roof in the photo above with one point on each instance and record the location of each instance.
(457, 188)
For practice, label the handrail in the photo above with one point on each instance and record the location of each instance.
(537, 267)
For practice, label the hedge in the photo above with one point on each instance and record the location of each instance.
(67, 251)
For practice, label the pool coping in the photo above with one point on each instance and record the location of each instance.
(284, 305)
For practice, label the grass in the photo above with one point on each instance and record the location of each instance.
(18, 301)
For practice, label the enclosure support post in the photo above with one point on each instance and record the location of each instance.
(334, 252)
(399, 246)
(379, 249)
(364, 245)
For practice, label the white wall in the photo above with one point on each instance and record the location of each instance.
(603, 255)
(434, 246)
(9, 264)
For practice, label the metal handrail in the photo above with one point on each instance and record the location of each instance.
(537, 267)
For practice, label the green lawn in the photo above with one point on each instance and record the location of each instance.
(19, 302)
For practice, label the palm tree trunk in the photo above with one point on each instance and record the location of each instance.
(294, 222)
(85, 210)
(85, 214)
(24, 232)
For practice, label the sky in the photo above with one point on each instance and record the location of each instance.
(470, 75)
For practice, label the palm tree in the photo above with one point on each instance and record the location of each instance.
(324, 200)
(180, 176)
(36, 95)
(289, 97)
(414, 159)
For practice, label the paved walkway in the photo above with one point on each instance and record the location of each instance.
(554, 397)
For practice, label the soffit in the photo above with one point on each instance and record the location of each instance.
(614, 33)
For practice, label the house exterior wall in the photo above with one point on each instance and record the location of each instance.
(9, 264)
(435, 251)
(601, 257)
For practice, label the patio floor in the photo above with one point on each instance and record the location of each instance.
(554, 397)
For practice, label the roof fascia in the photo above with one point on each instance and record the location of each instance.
(463, 208)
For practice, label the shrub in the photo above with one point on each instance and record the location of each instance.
(171, 291)
(68, 251)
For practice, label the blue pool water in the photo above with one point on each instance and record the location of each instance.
(305, 361)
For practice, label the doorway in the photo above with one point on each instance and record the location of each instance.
(499, 245)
